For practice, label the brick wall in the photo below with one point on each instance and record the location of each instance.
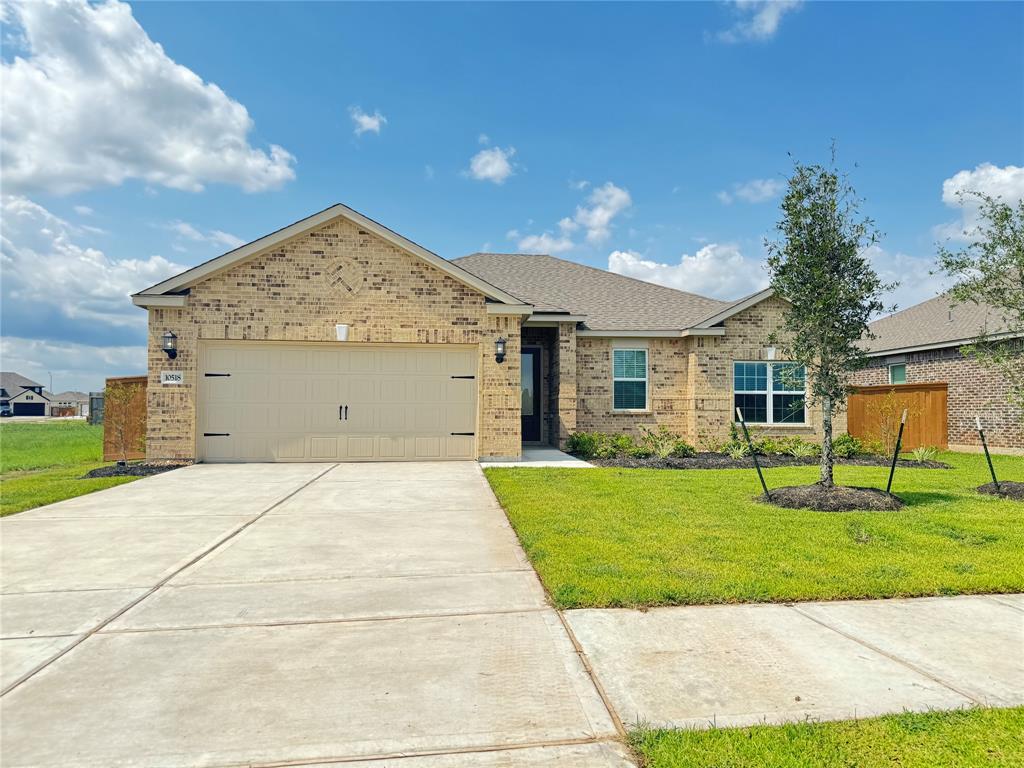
(690, 380)
(972, 389)
(299, 290)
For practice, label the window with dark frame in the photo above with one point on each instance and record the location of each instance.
(770, 393)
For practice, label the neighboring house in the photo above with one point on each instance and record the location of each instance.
(922, 344)
(62, 403)
(26, 397)
(419, 373)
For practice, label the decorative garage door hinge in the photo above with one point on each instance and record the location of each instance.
(216, 434)
(463, 377)
(470, 434)
(216, 374)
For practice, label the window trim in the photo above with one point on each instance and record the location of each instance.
(646, 379)
(889, 370)
(769, 392)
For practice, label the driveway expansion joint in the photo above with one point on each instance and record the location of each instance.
(120, 612)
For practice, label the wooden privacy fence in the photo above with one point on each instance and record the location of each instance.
(871, 409)
(124, 420)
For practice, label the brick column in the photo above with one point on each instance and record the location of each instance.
(566, 382)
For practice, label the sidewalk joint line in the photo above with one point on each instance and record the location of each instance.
(892, 657)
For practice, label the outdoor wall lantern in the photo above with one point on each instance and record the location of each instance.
(499, 349)
(170, 345)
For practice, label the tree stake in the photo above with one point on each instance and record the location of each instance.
(896, 453)
(981, 433)
(753, 454)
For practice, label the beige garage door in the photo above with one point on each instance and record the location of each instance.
(336, 402)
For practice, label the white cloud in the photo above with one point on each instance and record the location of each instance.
(364, 123)
(604, 204)
(83, 210)
(594, 217)
(81, 367)
(483, 139)
(494, 164)
(428, 172)
(757, 19)
(47, 273)
(753, 191)
(579, 185)
(1006, 183)
(545, 243)
(718, 270)
(214, 236)
(93, 101)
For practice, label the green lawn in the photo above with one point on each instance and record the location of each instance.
(960, 739)
(634, 537)
(42, 462)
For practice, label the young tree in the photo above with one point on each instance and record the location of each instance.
(818, 264)
(990, 271)
(124, 420)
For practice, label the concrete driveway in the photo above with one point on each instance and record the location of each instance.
(300, 614)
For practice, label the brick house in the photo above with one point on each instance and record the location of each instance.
(922, 344)
(335, 338)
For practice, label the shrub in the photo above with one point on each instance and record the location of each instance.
(874, 447)
(925, 453)
(584, 444)
(659, 442)
(682, 450)
(737, 450)
(846, 446)
(802, 449)
(767, 446)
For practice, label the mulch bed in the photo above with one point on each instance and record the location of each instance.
(137, 469)
(1008, 489)
(724, 461)
(838, 498)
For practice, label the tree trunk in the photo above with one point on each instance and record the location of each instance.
(827, 458)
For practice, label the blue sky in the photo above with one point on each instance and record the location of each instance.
(651, 139)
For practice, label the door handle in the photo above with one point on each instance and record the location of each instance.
(341, 412)
(346, 413)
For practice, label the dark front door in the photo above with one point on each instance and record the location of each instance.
(530, 371)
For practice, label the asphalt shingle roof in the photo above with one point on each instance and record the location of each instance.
(609, 301)
(935, 321)
(14, 382)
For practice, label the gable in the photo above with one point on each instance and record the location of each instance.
(171, 292)
(337, 268)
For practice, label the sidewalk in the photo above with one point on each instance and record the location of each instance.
(736, 665)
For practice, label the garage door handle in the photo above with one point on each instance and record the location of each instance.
(468, 434)
(216, 434)
(463, 377)
(342, 412)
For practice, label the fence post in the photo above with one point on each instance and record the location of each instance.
(988, 458)
(896, 453)
(753, 454)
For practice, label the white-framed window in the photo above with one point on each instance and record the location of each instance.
(898, 373)
(770, 393)
(629, 379)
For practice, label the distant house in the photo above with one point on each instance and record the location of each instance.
(26, 397)
(63, 402)
(922, 344)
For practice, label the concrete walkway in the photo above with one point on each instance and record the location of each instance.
(540, 457)
(696, 667)
(300, 614)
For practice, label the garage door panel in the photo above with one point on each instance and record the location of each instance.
(323, 447)
(428, 447)
(280, 402)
